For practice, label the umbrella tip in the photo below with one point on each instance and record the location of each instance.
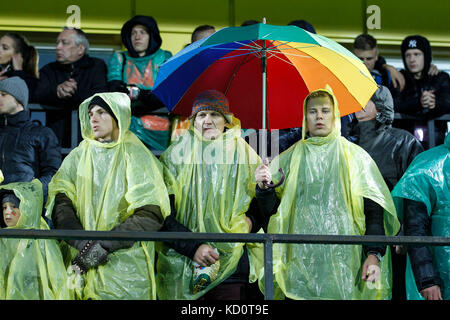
(264, 20)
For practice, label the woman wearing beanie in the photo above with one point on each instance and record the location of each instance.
(30, 269)
(19, 58)
(209, 175)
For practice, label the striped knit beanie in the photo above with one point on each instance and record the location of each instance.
(212, 100)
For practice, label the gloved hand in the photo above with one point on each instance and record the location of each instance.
(91, 256)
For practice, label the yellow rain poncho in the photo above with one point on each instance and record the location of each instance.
(106, 183)
(213, 183)
(326, 180)
(31, 269)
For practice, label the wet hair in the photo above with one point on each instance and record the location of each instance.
(319, 94)
(364, 42)
(200, 29)
(29, 53)
(80, 38)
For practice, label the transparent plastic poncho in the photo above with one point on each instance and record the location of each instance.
(427, 180)
(106, 183)
(213, 183)
(326, 180)
(31, 269)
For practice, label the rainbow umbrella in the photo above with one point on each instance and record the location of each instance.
(265, 71)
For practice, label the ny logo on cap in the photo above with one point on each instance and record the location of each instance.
(412, 44)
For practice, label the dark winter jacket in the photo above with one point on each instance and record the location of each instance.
(146, 218)
(418, 223)
(408, 101)
(28, 150)
(392, 149)
(88, 72)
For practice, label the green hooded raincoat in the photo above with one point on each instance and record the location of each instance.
(427, 180)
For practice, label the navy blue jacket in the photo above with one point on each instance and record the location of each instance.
(27, 150)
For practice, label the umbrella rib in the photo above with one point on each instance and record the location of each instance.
(278, 57)
(247, 59)
(239, 55)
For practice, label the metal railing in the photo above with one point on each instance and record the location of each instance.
(430, 125)
(266, 238)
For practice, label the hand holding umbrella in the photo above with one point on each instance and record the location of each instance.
(263, 176)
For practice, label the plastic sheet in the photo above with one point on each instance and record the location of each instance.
(106, 183)
(31, 269)
(427, 180)
(213, 183)
(326, 180)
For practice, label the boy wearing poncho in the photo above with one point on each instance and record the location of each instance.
(111, 181)
(30, 269)
(332, 186)
(422, 198)
(209, 175)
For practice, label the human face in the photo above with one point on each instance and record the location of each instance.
(210, 123)
(11, 214)
(140, 39)
(103, 125)
(368, 57)
(6, 50)
(369, 112)
(67, 51)
(415, 61)
(319, 117)
(8, 104)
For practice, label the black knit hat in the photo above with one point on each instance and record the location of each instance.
(11, 197)
(97, 100)
(421, 43)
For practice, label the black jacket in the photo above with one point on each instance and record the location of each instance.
(408, 101)
(89, 73)
(28, 150)
(145, 218)
(392, 149)
(418, 223)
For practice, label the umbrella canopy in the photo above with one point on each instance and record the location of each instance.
(265, 71)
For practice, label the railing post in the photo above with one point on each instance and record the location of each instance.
(74, 128)
(268, 268)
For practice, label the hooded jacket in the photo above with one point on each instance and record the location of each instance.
(213, 186)
(128, 67)
(408, 100)
(108, 185)
(422, 198)
(392, 149)
(31, 269)
(28, 150)
(327, 182)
